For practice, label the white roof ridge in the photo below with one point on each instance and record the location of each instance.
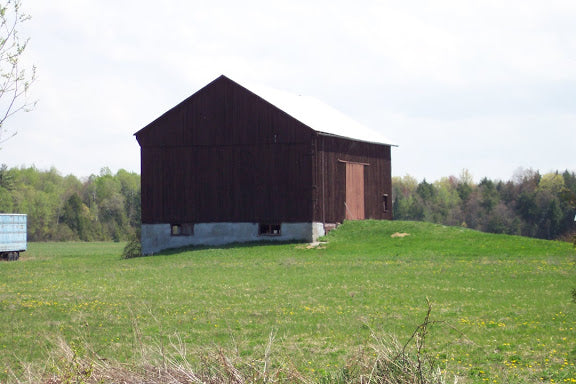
(316, 114)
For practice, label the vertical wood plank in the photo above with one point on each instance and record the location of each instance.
(355, 191)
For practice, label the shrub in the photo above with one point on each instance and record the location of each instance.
(133, 248)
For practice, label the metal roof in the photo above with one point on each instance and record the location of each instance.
(317, 115)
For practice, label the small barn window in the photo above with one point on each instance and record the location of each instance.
(385, 202)
(269, 229)
(186, 229)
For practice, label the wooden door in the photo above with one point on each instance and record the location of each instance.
(354, 191)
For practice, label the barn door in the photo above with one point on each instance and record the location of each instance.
(354, 191)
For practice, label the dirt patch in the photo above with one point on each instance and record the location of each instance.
(398, 234)
(315, 245)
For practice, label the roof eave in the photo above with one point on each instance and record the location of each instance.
(354, 139)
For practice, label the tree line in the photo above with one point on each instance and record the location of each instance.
(107, 206)
(63, 208)
(531, 204)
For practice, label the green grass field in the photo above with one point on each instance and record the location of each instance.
(502, 305)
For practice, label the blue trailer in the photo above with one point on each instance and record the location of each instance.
(12, 236)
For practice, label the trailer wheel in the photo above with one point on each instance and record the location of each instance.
(16, 255)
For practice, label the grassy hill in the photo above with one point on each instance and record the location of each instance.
(501, 305)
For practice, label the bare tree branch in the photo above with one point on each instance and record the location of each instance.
(15, 80)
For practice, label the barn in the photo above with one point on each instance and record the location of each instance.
(235, 163)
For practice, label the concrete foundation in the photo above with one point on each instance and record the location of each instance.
(157, 237)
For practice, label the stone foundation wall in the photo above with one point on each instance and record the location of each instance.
(157, 237)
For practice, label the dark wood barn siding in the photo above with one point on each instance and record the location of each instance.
(330, 177)
(223, 113)
(269, 183)
(226, 155)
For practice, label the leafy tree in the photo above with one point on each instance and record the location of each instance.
(464, 185)
(15, 79)
(40, 219)
(6, 186)
(489, 195)
(569, 180)
(501, 220)
(405, 204)
(130, 190)
(507, 192)
(447, 202)
(72, 215)
(425, 190)
(6, 177)
(65, 208)
(530, 204)
(553, 182)
(526, 205)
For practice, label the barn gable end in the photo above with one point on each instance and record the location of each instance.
(226, 165)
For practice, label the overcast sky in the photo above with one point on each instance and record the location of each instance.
(487, 86)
